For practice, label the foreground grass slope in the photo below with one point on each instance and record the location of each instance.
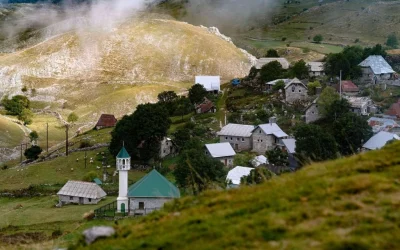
(345, 204)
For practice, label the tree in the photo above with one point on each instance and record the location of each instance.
(181, 137)
(167, 96)
(278, 157)
(72, 118)
(198, 172)
(376, 50)
(327, 97)
(279, 85)
(271, 71)
(299, 70)
(257, 176)
(33, 153)
(318, 38)
(33, 136)
(312, 87)
(16, 105)
(253, 73)
(272, 53)
(351, 131)
(243, 159)
(392, 41)
(197, 93)
(141, 131)
(336, 110)
(314, 144)
(26, 116)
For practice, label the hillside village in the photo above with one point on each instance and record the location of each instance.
(200, 147)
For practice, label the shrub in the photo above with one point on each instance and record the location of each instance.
(284, 39)
(24, 89)
(4, 167)
(85, 144)
(90, 176)
(33, 152)
(357, 40)
(57, 233)
(318, 38)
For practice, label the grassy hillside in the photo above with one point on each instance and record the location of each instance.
(10, 134)
(345, 204)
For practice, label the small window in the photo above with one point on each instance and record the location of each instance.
(259, 131)
(243, 139)
(231, 139)
(238, 139)
(141, 205)
(261, 140)
(299, 90)
(312, 112)
(167, 143)
(258, 140)
(90, 199)
(293, 88)
(226, 138)
(164, 151)
(71, 198)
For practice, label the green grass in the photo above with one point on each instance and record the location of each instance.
(10, 133)
(349, 203)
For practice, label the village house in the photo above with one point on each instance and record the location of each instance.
(206, 106)
(312, 112)
(295, 91)
(238, 135)
(167, 148)
(316, 69)
(382, 124)
(361, 105)
(267, 136)
(210, 83)
(379, 140)
(394, 110)
(270, 85)
(264, 61)
(236, 174)
(80, 192)
(348, 88)
(106, 121)
(146, 195)
(259, 160)
(222, 152)
(376, 70)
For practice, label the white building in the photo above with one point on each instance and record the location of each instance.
(379, 140)
(222, 152)
(210, 83)
(80, 192)
(123, 166)
(236, 174)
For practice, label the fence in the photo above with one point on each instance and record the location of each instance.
(109, 211)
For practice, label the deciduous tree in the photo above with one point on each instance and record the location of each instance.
(271, 71)
(33, 152)
(197, 93)
(325, 100)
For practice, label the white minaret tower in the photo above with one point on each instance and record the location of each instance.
(123, 166)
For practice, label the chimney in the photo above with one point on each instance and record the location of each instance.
(272, 120)
(318, 90)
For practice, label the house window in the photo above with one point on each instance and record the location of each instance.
(226, 138)
(71, 198)
(238, 139)
(242, 139)
(299, 90)
(167, 143)
(258, 140)
(259, 131)
(90, 199)
(312, 112)
(261, 140)
(141, 205)
(231, 139)
(164, 151)
(293, 88)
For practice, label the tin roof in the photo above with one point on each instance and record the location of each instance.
(237, 173)
(316, 66)
(348, 86)
(218, 150)
(379, 140)
(358, 102)
(295, 81)
(237, 130)
(123, 153)
(82, 189)
(378, 65)
(272, 129)
(210, 83)
(290, 145)
(264, 61)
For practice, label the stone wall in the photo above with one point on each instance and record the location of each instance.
(262, 142)
(312, 113)
(237, 143)
(150, 204)
(296, 92)
(76, 200)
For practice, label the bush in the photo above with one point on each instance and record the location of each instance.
(284, 39)
(24, 89)
(318, 38)
(57, 233)
(85, 144)
(33, 152)
(4, 167)
(90, 176)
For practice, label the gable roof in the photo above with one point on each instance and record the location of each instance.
(263, 61)
(290, 145)
(394, 110)
(123, 153)
(205, 106)
(379, 140)
(233, 129)
(378, 65)
(218, 150)
(210, 83)
(358, 102)
(272, 129)
(82, 189)
(154, 185)
(316, 66)
(237, 173)
(347, 86)
(295, 81)
(286, 81)
(259, 160)
(106, 120)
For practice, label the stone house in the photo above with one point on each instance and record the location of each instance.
(316, 69)
(375, 69)
(222, 152)
(361, 105)
(295, 91)
(312, 112)
(106, 121)
(238, 135)
(267, 137)
(151, 193)
(206, 106)
(210, 83)
(167, 147)
(269, 85)
(264, 61)
(348, 88)
(80, 192)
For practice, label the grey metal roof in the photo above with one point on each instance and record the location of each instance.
(259, 160)
(210, 83)
(233, 129)
(237, 173)
(379, 140)
(378, 65)
(218, 150)
(272, 129)
(358, 102)
(82, 189)
(263, 61)
(316, 66)
(290, 145)
(294, 81)
(286, 81)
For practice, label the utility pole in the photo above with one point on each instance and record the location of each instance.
(85, 158)
(66, 141)
(340, 84)
(47, 138)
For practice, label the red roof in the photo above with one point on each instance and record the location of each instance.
(349, 86)
(106, 121)
(394, 109)
(206, 106)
